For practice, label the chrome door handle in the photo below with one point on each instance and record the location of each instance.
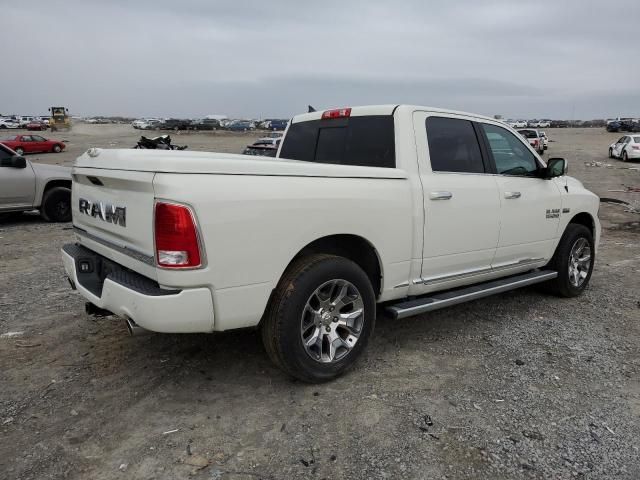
(440, 196)
(509, 195)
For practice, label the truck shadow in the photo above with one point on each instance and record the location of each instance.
(237, 358)
(20, 218)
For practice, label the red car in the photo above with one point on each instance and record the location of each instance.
(39, 126)
(22, 144)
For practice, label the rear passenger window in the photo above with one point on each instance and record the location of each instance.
(453, 146)
(363, 141)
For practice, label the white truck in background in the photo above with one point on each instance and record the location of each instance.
(413, 207)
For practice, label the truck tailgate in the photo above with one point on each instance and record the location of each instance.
(114, 208)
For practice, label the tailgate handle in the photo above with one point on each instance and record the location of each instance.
(510, 195)
(95, 180)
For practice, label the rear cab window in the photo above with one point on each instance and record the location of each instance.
(528, 133)
(453, 146)
(356, 140)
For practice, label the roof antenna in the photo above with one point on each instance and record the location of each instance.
(311, 109)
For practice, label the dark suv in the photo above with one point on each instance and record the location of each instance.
(175, 124)
(205, 124)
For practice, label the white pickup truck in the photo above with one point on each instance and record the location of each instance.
(411, 207)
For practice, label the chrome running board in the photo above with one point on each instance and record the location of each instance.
(448, 298)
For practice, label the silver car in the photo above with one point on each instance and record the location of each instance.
(30, 186)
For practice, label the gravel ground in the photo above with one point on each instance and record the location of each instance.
(520, 385)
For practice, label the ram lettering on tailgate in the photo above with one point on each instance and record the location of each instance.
(104, 211)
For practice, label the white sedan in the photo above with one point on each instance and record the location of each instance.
(8, 123)
(627, 147)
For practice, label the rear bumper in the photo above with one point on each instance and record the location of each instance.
(130, 295)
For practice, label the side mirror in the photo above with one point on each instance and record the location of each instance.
(556, 167)
(16, 161)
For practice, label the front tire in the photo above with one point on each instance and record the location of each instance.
(625, 157)
(573, 260)
(56, 205)
(320, 318)
(57, 149)
(19, 151)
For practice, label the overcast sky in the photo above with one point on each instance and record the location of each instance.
(528, 59)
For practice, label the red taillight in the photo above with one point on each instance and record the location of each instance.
(176, 237)
(535, 143)
(338, 113)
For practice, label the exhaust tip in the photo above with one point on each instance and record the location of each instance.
(134, 329)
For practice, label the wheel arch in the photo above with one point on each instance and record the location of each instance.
(584, 218)
(49, 184)
(56, 183)
(353, 247)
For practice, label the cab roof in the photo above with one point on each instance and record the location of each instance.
(364, 110)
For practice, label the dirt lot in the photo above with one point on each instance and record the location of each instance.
(521, 385)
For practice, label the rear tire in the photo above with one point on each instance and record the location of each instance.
(573, 260)
(56, 205)
(307, 330)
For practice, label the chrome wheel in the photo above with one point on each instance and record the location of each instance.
(579, 262)
(332, 321)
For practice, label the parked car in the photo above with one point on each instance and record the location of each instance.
(306, 244)
(205, 124)
(625, 148)
(266, 147)
(630, 126)
(613, 126)
(520, 124)
(544, 124)
(532, 124)
(559, 124)
(24, 121)
(545, 140)
(37, 126)
(240, 126)
(534, 139)
(8, 123)
(22, 144)
(28, 186)
(150, 124)
(175, 124)
(277, 125)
